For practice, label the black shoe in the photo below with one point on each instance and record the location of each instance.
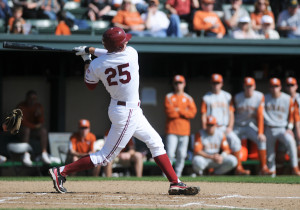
(181, 189)
(58, 180)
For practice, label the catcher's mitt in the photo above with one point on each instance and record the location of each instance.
(13, 121)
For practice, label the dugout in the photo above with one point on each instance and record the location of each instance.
(58, 77)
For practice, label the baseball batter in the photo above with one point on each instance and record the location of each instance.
(218, 103)
(208, 145)
(118, 69)
(279, 117)
(249, 119)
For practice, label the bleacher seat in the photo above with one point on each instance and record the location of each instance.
(99, 26)
(43, 26)
(2, 26)
(69, 5)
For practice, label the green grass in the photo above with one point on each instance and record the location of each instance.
(233, 179)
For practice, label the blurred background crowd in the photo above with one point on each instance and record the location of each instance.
(239, 19)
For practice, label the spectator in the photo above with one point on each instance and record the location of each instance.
(62, 28)
(129, 156)
(279, 117)
(31, 8)
(5, 11)
(33, 125)
(233, 14)
(82, 143)
(182, 10)
(157, 23)
(249, 119)
(18, 26)
(289, 20)
(266, 32)
(129, 19)
(17, 13)
(140, 5)
(50, 8)
(244, 30)
(208, 21)
(218, 103)
(261, 8)
(98, 9)
(179, 108)
(211, 150)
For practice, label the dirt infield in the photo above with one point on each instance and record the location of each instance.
(146, 194)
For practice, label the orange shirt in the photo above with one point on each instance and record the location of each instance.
(128, 18)
(205, 20)
(257, 17)
(62, 29)
(85, 146)
(32, 115)
(179, 110)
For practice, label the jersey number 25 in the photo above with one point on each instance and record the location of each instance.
(112, 73)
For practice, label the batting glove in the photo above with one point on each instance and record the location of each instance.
(87, 58)
(81, 50)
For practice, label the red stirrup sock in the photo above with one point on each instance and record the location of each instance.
(82, 164)
(164, 163)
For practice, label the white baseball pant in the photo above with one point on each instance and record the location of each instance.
(200, 163)
(250, 132)
(233, 140)
(278, 133)
(177, 151)
(127, 121)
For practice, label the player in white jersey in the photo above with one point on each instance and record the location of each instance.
(279, 116)
(218, 103)
(249, 119)
(118, 69)
(291, 88)
(211, 150)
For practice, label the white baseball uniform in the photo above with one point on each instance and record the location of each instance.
(278, 114)
(212, 144)
(249, 117)
(119, 72)
(219, 105)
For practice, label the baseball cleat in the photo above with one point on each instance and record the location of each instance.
(181, 189)
(58, 180)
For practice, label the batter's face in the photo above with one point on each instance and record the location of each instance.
(216, 86)
(291, 89)
(210, 129)
(83, 131)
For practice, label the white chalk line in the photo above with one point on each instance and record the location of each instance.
(8, 200)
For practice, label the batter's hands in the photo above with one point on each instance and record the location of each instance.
(86, 57)
(81, 50)
(262, 137)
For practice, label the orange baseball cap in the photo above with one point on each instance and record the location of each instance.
(249, 81)
(83, 123)
(208, 1)
(275, 81)
(216, 78)
(179, 78)
(291, 81)
(211, 120)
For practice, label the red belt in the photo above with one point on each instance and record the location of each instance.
(121, 103)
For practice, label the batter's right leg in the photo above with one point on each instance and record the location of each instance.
(146, 133)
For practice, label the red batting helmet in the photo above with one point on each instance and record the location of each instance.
(114, 38)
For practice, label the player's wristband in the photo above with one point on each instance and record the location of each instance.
(87, 50)
(290, 126)
(87, 61)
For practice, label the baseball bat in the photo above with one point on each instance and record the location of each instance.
(26, 46)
